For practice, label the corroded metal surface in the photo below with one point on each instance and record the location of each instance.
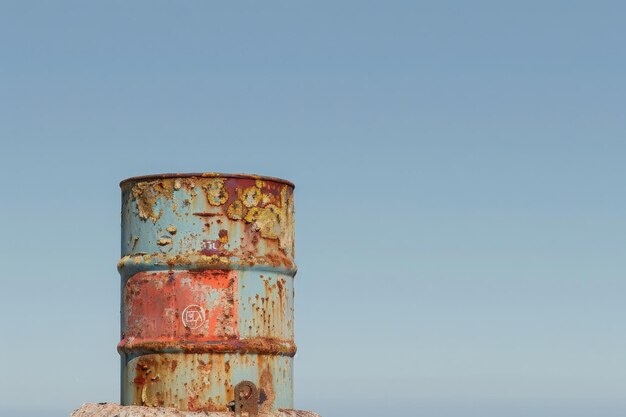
(246, 399)
(207, 273)
(116, 410)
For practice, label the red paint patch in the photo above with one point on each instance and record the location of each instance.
(181, 305)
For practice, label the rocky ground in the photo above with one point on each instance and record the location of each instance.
(116, 410)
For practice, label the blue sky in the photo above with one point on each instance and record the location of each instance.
(460, 190)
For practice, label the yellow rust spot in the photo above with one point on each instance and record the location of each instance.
(251, 215)
(235, 210)
(223, 235)
(171, 229)
(200, 261)
(146, 194)
(215, 191)
(164, 241)
(189, 184)
(272, 222)
(267, 221)
(135, 259)
(251, 196)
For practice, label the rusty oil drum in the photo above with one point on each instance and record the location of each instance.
(207, 274)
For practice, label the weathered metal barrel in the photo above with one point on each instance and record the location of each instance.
(207, 273)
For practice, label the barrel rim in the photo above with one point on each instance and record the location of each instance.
(152, 177)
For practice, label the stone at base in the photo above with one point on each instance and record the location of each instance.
(116, 410)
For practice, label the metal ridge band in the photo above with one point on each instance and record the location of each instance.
(129, 265)
(264, 346)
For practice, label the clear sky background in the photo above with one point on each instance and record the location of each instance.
(460, 190)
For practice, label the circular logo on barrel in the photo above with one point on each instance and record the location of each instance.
(193, 316)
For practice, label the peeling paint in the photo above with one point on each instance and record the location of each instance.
(164, 241)
(147, 193)
(215, 191)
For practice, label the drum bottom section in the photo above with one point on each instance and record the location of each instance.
(205, 381)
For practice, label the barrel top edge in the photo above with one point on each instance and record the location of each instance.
(153, 177)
